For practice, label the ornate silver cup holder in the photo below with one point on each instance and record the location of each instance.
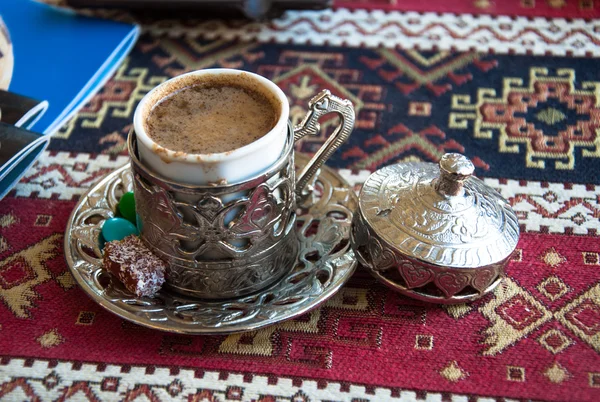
(325, 262)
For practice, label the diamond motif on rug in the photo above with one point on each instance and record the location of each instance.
(453, 372)
(50, 339)
(550, 116)
(553, 288)
(519, 312)
(51, 380)
(556, 373)
(437, 71)
(546, 119)
(514, 314)
(552, 258)
(555, 341)
(582, 316)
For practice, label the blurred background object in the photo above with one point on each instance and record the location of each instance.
(61, 59)
(19, 110)
(6, 56)
(254, 9)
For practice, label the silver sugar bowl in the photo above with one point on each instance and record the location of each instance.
(434, 233)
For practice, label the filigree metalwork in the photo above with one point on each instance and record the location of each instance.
(207, 233)
(412, 277)
(474, 229)
(219, 241)
(186, 227)
(324, 264)
(229, 280)
(434, 233)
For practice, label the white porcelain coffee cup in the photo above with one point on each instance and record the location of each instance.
(218, 168)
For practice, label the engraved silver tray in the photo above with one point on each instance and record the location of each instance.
(325, 262)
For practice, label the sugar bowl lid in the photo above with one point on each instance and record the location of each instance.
(439, 215)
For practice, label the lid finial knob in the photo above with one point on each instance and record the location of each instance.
(454, 170)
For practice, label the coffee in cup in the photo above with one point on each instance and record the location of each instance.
(212, 117)
(212, 127)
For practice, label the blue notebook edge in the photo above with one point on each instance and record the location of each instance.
(97, 81)
(21, 166)
(12, 171)
(12, 162)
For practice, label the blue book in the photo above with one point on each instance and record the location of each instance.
(61, 58)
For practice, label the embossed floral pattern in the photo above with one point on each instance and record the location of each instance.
(188, 229)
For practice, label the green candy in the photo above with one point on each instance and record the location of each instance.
(127, 207)
(118, 229)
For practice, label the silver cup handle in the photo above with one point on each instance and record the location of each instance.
(318, 107)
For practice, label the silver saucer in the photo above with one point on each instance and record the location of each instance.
(325, 263)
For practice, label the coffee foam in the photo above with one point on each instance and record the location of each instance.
(243, 80)
(203, 119)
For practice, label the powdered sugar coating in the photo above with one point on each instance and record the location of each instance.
(140, 271)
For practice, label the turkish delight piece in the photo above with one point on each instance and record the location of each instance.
(136, 267)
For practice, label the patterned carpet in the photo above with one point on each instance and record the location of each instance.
(519, 96)
(535, 8)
